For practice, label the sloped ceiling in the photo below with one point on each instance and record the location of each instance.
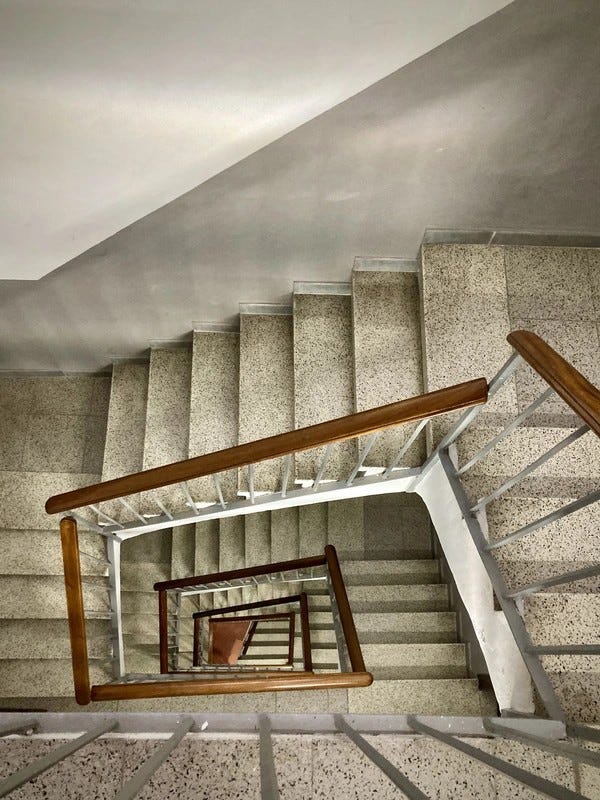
(111, 108)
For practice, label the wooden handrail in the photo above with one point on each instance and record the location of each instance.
(306, 643)
(247, 572)
(341, 599)
(577, 392)
(75, 613)
(273, 682)
(432, 404)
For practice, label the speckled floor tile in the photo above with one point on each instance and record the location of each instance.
(200, 769)
(55, 443)
(93, 771)
(70, 394)
(560, 618)
(293, 764)
(387, 350)
(547, 765)
(13, 434)
(124, 449)
(266, 405)
(345, 528)
(17, 394)
(323, 375)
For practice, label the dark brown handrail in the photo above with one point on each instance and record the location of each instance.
(257, 683)
(341, 599)
(577, 392)
(452, 398)
(75, 613)
(247, 572)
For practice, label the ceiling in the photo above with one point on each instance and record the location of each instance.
(110, 109)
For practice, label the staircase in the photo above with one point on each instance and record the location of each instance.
(337, 349)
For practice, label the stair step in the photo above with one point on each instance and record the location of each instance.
(141, 577)
(284, 534)
(387, 353)
(442, 696)
(40, 553)
(312, 529)
(415, 661)
(392, 599)
(561, 618)
(394, 573)
(167, 419)
(183, 551)
(43, 596)
(257, 544)
(214, 406)
(231, 556)
(49, 638)
(124, 446)
(44, 678)
(415, 627)
(323, 376)
(346, 528)
(155, 546)
(266, 405)
(397, 526)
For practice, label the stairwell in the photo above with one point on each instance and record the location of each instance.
(389, 334)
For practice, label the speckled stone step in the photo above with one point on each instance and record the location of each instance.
(232, 556)
(442, 696)
(312, 529)
(214, 406)
(166, 438)
(257, 549)
(415, 661)
(141, 576)
(43, 596)
(44, 678)
(397, 526)
(49, 638)
(393, 599)
(394, 573)
(183, 551)
(284, 534)
(346, 528)
(154, 546)
(40, 553)
(124, 446)
(266, 405)
(387, 353)
(323, 376)
(409, 627)
(206, 559)
(560, 618)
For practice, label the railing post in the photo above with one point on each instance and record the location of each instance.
(75, 611)
(163, 632)
(114, 575)
(341, 597)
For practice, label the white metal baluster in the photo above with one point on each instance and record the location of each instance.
(97, 511)
(162, 507)
(251, 482)
(217, 482)
(143, 774)
(362, 456)
(132, 510)
(286, 474)
(116, 617)
(321, 470)
(87, 523)
(188, 497)
(405, 447)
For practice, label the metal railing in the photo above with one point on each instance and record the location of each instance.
(462, 735)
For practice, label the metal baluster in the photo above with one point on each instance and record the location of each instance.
(531, 468)
(251, 482)
(565, 650)
(116, 617)
(131, 509)
(405, 447)
(269, 789)
(398, 778)
(523, 776)
(25, 727)
(36, 768)
(560, 513)
(96, 510)
(362, 456)
(565, 749)
(286, 474)
(321, 470)
(217, 482)
(143, 774)
(505, 432)
(584, 732)
(87, 523)
(566, 577)
(165, 510)
(188, 497)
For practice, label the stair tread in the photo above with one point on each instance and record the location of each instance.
(435, 696)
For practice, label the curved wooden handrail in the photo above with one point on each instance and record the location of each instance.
(75, 613)
(257, 683)
(577, 392)
(452, 398)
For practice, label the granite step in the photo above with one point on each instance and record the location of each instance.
(284, 534)
(141, 576)
(49, 638)
(206, 558)
(166, 438)
(415, 661)
(183, 551)
(397, 526)
(387, 353)
(323, 376)
(232, 556)
(214, 406)
(390, 573)
(43, 596)
(266, 406)
(40, 553)
(257, 551)
(409, 627)
(561, 618)
(154, 546)
(44, 678)
(391, 599)
(124, 446)
(312, 529)
(346, 528)
(434, 696)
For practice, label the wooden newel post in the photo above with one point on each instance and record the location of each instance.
(75, 612)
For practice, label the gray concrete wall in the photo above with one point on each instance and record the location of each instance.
(497, 128)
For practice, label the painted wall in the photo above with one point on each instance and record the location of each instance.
(497, 128)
